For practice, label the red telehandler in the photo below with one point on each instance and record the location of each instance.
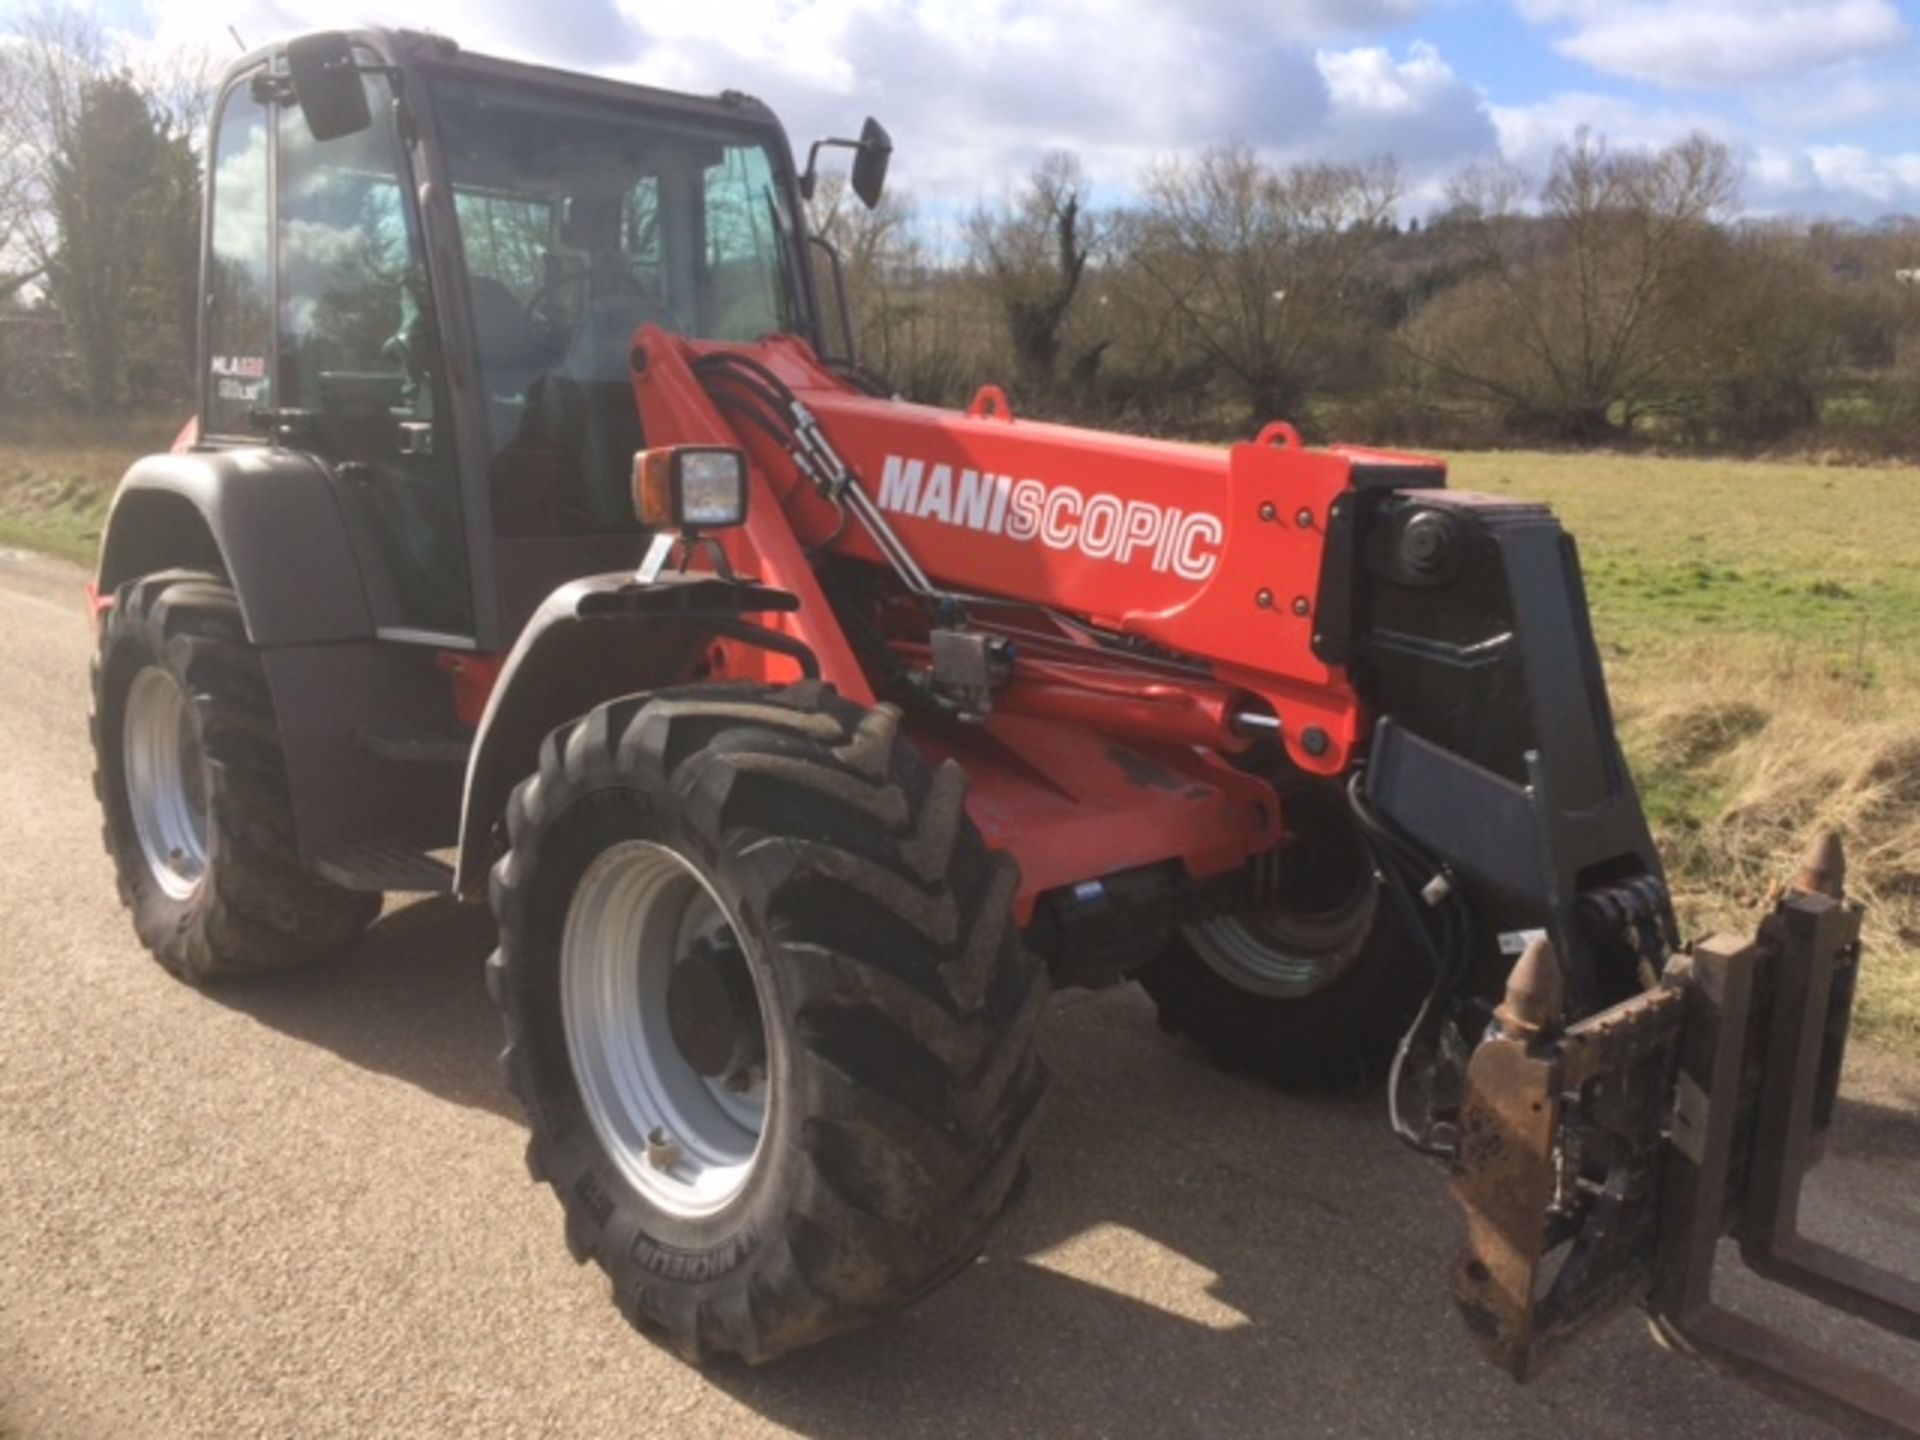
(527, 545)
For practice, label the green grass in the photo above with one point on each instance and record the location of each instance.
(1825, 558)
(57, 477)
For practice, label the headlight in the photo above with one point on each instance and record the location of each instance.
(690, 487)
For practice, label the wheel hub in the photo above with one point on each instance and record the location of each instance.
(1312, 907)
(713, 1015)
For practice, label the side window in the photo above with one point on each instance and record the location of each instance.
(354, 332)
(746, 260)
(360, 360)
(239, 270)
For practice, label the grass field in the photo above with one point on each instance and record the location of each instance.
(1760, 624)
(57, 476)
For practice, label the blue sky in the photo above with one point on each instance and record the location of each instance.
(1817, 97)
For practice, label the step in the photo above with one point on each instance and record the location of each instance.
(413, 745)
(406, 866)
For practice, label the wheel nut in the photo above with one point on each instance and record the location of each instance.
(1304, 519)
(1300, 605)
(1264, 599)
(1268, 511)
(663, 1153)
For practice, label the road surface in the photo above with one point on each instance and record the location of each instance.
(298, 1208)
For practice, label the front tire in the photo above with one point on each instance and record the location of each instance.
(766, 1009)
(193, 789)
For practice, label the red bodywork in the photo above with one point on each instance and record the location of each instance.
(1093, 760)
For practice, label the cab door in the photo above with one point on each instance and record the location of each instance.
(360, 372)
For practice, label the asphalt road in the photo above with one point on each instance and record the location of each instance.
(298, 1207)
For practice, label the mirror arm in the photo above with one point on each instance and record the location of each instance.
(809, 175)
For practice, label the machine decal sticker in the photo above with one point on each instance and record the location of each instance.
(1061, 517)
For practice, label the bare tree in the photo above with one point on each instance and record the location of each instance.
(1034, 251)
(50, 51)
(877, 254)
(1263, 268)
(180, 83)
(19, 264)
(1581, 314)
(915, 328)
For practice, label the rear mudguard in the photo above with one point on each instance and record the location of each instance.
(269, 518)
(591, 641)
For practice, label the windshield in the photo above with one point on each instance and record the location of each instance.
(581, 221)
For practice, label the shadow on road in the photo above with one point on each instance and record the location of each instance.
(408, 1000)
(1196, 1254)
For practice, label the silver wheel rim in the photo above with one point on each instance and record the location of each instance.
(1322, 898)
(1255, 959)
(166, 788)
(688, 1142)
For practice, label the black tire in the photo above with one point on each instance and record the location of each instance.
(1338, 1034)
(255, 907)
(899, 1005)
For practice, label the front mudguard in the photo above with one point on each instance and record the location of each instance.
(594, 640)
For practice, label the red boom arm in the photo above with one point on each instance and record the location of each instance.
(1212, 558)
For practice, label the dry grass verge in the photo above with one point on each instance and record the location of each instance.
(1741, 762)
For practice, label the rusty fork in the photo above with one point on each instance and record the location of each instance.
(1603, 1164)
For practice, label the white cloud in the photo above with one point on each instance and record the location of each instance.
(975, 94)
(1840, 181)
(1834, 179)
(1529, 134)
(1369, 80)
(1701, 44)
(1415, 109)
(1847, 96)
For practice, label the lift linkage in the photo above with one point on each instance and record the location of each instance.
(1601, 1164)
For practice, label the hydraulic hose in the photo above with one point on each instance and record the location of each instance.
(1409, 875)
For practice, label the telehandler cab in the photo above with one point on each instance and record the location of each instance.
(528, 545)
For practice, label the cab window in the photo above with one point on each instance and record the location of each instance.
(580, 222)
(746, 291)
(359, 359)
(239, 321)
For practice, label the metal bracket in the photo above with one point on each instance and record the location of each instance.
(1604, 1164)
(967, 667)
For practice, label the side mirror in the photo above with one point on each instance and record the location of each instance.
(327, 85)
(873, 151)
(870, 162)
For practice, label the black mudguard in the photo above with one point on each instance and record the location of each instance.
(269, 518)
(591, 641)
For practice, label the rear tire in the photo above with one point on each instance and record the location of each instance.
(193, 788)
(1314, 994)
(879, 1120)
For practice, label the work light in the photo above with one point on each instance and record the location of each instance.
(690, 487)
